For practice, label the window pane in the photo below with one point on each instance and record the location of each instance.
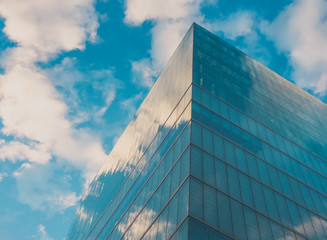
(196, 198)
(196, 134)
(197, 230)
(264, 226)
(224, 215)
(238, 220)
(207, 140)
(251, 224)
(218, 146)
(208, 169)
(233, 183)
(196, 162)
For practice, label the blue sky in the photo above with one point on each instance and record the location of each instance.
(73, 73)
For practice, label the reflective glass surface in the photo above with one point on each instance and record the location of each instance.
(255, 90)
(258, 149)
(158, 123)
(221, 148)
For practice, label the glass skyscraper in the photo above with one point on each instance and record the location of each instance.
(221, 148)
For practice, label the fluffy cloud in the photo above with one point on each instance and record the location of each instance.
(32, 110)
(45, 187)
(300, 31)
(15, 150)
(237, 24)
(144, 73)
(49, 26)
(171, 20)
(138, 11)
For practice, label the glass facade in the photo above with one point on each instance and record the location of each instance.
(221, 148)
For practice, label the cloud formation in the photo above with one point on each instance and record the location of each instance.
(45, 187)
(143, 72)
(171, 20)
(138, 11)
(136, 228)
(300, 31)
(32, 111)
(42, 28)
(75, 87)
(18, 151)
(3, 175)
(237, 24)
(43, 235)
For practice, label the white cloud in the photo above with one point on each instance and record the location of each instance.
(74, 86)
(130, 104)
(167, 34)
(3, 175)
(50, 26)
(42, 187)
(138, 227)
(15, 150)
(306, 225)
(22, 168)
(242, 24)
(43, 235)
(109, 99)
(83, 216)
(31, 108)
(171, 20)
(237, 24)
(29, 105)
(144, 72)
(300, 31)
(138, 11)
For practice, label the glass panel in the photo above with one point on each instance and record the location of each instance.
(181, 232)
(251, 224)
(196, 198)
(265, 229)
(247, 195)
(207, 140)
(209, 169)
(197, 230)
(218, 146)
(196, 162)
(233, 183)
(210, 206)
(221, 176)
(238, 220)
(196, 134)
(224, 214)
